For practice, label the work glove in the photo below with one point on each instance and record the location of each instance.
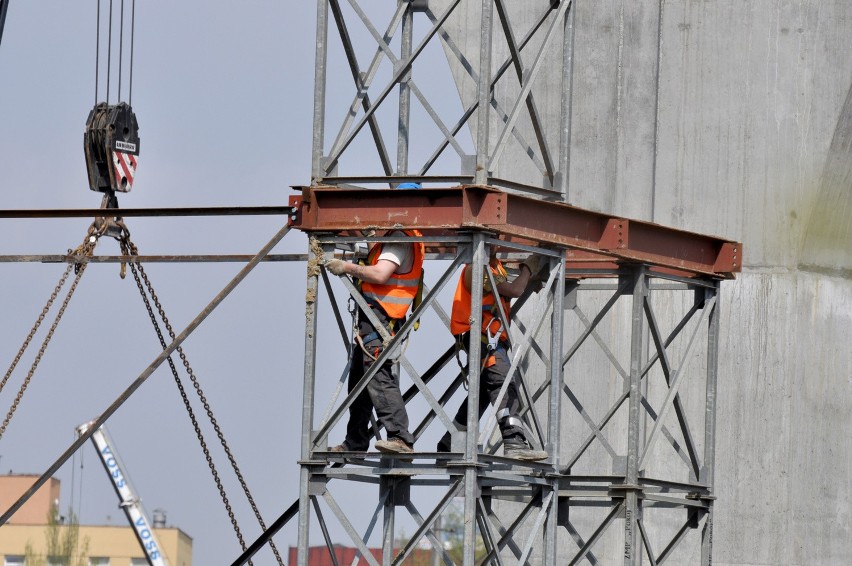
(538, 273)
(532, 262)
(336, 266)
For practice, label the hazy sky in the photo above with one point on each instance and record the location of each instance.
(223, 95)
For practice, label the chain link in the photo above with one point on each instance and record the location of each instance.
(36, 326)
(85, 249)
(128, 248)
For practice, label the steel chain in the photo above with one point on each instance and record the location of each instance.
(129, 248)
(36, 326)
(86, 249)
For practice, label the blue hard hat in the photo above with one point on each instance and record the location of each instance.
(409, 186)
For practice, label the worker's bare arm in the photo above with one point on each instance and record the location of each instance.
(377, 274)
(515, 288)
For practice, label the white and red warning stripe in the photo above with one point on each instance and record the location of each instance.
(124, 165)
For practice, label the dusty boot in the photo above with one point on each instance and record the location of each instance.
(345, 447)
(394, 446)
(518, 448)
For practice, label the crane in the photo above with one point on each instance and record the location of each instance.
(4, 6)
(128, 501)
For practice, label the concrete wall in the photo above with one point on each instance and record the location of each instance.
(731, 118)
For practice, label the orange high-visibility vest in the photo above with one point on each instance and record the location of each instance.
(460, 318)
(397, 294)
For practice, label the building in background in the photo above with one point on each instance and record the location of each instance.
(319, 556)
(108, 545)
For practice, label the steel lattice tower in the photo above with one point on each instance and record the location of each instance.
(632, 446)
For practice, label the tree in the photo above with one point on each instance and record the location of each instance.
(449, 528)
(62, 543)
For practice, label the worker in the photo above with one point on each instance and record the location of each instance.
(390, 281)
(494, 361)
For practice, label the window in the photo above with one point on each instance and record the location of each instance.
(99, 561)
(13, 561)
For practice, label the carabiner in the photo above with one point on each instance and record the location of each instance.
(493, 339)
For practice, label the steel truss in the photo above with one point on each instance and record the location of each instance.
(642, 461)
(500, 112)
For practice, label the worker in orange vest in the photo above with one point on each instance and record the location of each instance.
(390, 281)
(494, 362)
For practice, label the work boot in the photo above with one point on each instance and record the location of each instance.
(394, 446)
(518, 448)
(344, 447)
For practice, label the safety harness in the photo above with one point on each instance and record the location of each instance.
(393, 324)
(492, 328)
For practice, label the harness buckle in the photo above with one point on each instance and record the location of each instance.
(493, 339)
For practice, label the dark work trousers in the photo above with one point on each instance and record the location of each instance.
(490, 381)
(382, 392)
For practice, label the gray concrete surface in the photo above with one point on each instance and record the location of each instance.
(734, 119)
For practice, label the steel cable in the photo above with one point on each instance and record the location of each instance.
(97, 48)
(120, 47)
(109, 51)
(132, 37)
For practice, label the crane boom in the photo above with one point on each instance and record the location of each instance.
(128, 500)
(4, 6)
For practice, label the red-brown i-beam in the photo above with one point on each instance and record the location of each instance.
(587, 235)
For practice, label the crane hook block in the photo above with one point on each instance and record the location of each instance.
(111, 143)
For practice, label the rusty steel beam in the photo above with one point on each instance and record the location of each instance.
(152, 212)
(517, 218)
(188, 258)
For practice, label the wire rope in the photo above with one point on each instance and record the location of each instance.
(97, 48)
(120, 47)
(132, 36)
(122, 25)
(109, 51)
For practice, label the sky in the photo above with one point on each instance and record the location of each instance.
(224, 100)
(223, 95)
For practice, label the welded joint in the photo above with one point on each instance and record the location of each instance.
(317, 485)
(622, 490)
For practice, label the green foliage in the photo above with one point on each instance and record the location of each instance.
(62, 543)
(452, 525)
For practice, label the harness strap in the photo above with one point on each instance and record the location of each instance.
(375, 335)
